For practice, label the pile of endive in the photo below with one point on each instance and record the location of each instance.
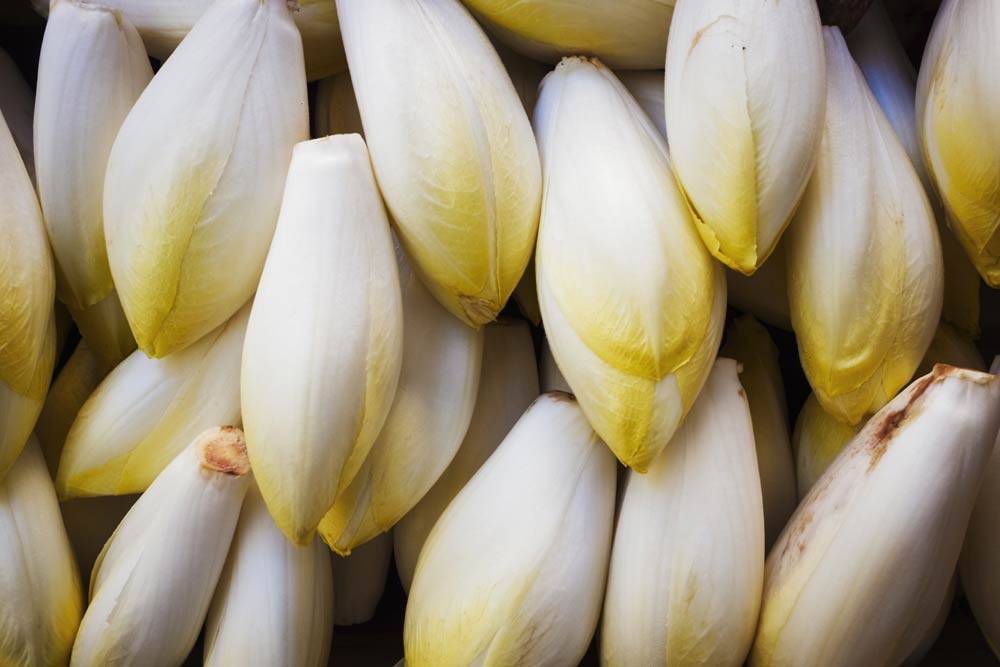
(291, 290)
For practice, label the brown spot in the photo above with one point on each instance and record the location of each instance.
(478, 311)
(223, 449)
(883, 430)
(563, 396)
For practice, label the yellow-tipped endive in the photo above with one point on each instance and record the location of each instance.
(508, 383)
(147, 410)
(459, 169)
(40, 597)
(627, 34)
(27, 325)
(864, 262)
(90, 523)
(744, 111)
(17, 104)
(847, 585)
(91, 70)
(550, 377)
(632, 302)
(194, 178)
(79, 377)
(105, 327)
(336, 108)
(274, 601)
(513, 572)
(646, 87)
(152, 584)
(325, 341)
(959, 138)
(678, 595)
(359, 580)
(749, 343)
(817, 440)
(764, 294)
(892, 80)
(428, 419)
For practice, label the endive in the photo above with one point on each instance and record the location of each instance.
(630, 34)
(336, 109)
(39, 585)
(152, 584)
(749, 343)
(632, 302)
(91, 70)
(508, 384)
(678, 594)
(959, 138)
(27, 325)
(892, 80)
(147, 410)
(274, 601)
(105, 327)
(429, 416)
(846, 585)
(325, 340)
(513, 572)
(744, 111)
(458, 168)
(864, 262)
(17, 104)
(359, 580)
(194, 178)
(818, 438)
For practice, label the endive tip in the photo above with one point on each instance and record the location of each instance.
(223, 449)
(478, 311)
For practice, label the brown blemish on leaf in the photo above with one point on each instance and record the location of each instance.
(223, 449)
(560, 396)
(478, 310)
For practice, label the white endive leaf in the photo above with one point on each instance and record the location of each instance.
(513, 572)
(508, 384)
(678, 593)
(194, 178)
(864, 262)
(646, 86)
(40, 597)
(91, 70)
(551, 378)
(17, 104)
(27, 292)
(147, 410)
(359, 580)
(428, 419)
(90, 523)
(336, 109)
(458, 167)
(749, 343)
(630, 34)
(959, 136)
(817, 440)
(744, 111)
(846, 585)
(618, 259)
(325, 340)
(105, 327)
(274, 601)
(764, 294)
(153, 582)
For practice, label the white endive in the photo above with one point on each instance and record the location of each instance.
(749, 343)
(27, 325)
(105, 328)
(91, 70)
(508, 383)
(274, 601)
(428, 419)
(959, 137)
(744, 111)
(764, 294)
(325, 340)
(90, 523)
(864, 261)
(17, 104)
(40, 597)
(629, 34)
(458, 168)
(632, 302)
(153, 582)
(677, 593)
(550, 377)
(513, 572)
(336, 108)
(359, 580)
(846, 585)
(817, 440)
(147, 410)
(194, 178)
(892, 80)
(646, 86)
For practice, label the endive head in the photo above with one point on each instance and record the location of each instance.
(818, 438)
(459, 169)
(194, 178)
(864, 261)
(745, 86)
(514, 572)
(847, 585)
(960, 140)
(105, 328)
(618, 260)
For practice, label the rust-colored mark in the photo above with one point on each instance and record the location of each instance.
(878, 443)
(478, 310)
(223, 449)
